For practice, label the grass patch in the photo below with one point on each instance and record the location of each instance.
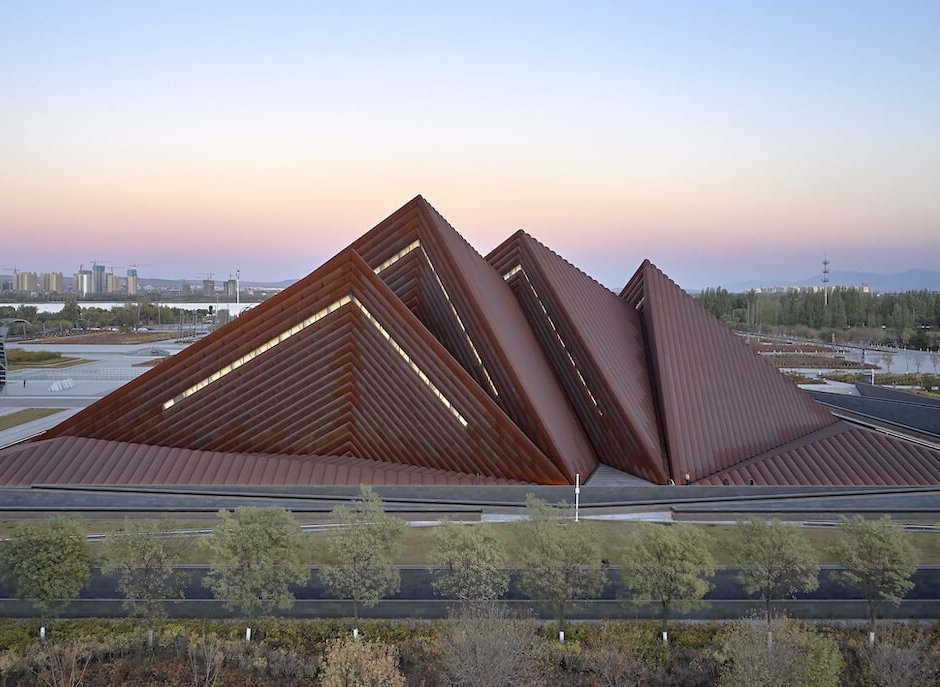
(150, 363)
(64, 361)
(108, 337)
(21, 417)
(18, 355)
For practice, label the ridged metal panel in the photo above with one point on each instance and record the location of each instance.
(841, 454)
(720, 402)
(603, 336)
(78, 460)
(512, 358)
(337, 387)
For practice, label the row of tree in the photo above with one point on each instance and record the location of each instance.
(74, 316)
(908, 315)
(259, 555)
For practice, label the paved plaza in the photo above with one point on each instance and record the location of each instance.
(73, 388)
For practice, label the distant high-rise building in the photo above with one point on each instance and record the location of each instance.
(208, 287)
(231, 288)
(52, 282)
(131, 281)
(83, 283)
(186, 289)
(113, 283)
(99, 279)
(25, 281)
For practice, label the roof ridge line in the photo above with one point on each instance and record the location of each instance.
(564, 260)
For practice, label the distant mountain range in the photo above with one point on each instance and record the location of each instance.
(911, 280)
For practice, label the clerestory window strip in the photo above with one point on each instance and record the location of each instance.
(466, 334)
(398, 256)
(263, 348)
(299, 327)
(558, 336)
(411, 363)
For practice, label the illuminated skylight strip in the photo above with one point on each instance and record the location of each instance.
(466, 334)
(560, 340)
(398, 256)
(511, 273)
(263, 348)
(411, 363)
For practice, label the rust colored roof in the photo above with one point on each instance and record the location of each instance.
(77, 460)
(840, 454)
(366, 380)
(409, 358)
(595, 343)
(472, 311)
(720, 401)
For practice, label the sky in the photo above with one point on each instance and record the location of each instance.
(725, 141)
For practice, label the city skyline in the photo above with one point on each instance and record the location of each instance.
(726, 143)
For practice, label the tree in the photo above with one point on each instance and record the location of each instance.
(485, 645)
(259, 555)
(775, 561)
(144, 562)
(71, 311)
(363, 546)
(472, 559)
(354, 663)
(560, 557)
(877, 558)
(668, 563)
(47, 562)
(791, 656)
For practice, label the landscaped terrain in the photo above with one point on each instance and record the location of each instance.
(21, 417)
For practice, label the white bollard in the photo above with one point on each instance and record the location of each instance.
(770, 639)
(247, 634)
(42, 633)
(665, 637)
(871, 639)
(561, 636)
(355, 633)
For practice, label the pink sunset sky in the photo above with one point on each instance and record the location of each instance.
(724, 141)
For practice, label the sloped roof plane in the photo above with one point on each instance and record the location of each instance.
(381, 388)
(720, 402)
(473, 312)
(595, 343)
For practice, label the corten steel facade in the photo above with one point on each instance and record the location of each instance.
(409, 358)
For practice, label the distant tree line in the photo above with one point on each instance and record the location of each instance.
(911, 317)
(72, 316)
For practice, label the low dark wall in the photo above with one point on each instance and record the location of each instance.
(831, 601)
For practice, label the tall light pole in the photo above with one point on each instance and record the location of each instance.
(577, 495)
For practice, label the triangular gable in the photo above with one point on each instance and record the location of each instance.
(595, 343)
(468, 307)
(721, 403)
(334, 365)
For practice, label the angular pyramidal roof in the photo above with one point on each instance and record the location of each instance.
(409, 358)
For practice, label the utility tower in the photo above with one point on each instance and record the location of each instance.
(825, 281)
